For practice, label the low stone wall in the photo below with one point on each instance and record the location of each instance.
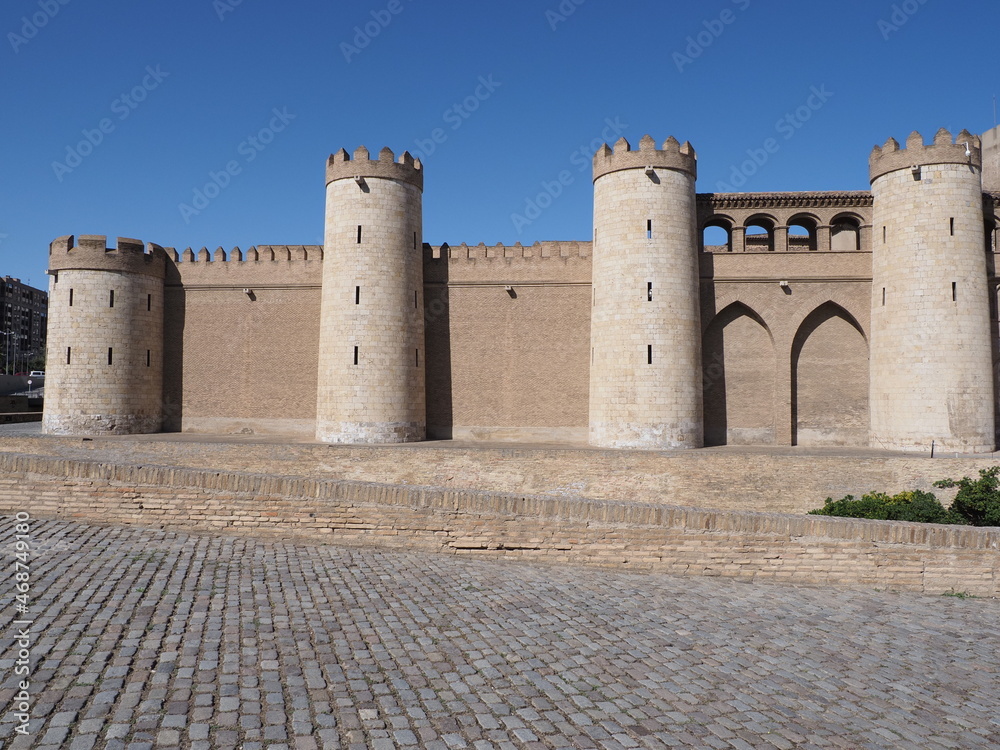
(787, 480)
(744, 545)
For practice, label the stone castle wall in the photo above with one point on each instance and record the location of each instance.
(509, 333)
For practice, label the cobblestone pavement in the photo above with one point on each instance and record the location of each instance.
(151, 639)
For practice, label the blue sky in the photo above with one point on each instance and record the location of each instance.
(117, 114)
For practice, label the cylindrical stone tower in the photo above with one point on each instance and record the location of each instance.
(645, 331)
(371, 358)
(931, 356)
(104, 362)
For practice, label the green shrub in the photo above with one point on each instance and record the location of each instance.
(913, 505)
(978, 500)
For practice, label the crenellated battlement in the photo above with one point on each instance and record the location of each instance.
(256, 254)
(91, 253)
(965, 148)
(540, 251)
(672, 155)
(407, 169)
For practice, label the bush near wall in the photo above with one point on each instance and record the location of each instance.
(977, 503)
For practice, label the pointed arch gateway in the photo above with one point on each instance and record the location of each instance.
(738, 370)
(830, 379)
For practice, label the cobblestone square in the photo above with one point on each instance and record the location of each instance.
(153, 639)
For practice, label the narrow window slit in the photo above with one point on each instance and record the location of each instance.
(649, 291)
(112, 303)
(883, 296)
(951, 226)
(355, 355)
(649, 354)
(357, 295)
(649, 229)
(149, 301)
(70, 297)
(954, 291)
(111, 355)
(416, 359)
(149, 357)
(883, 234)
(359, 234)
(69, 355)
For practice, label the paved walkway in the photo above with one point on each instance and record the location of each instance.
(148, 639)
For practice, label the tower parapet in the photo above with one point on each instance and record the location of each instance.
(672, 155)
(91, 253)
(963, 149)
(645, 374)
(341, 166)
(931, 345)
(371, 353)
(105, 337)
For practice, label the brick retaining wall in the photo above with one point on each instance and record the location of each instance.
(738, 544)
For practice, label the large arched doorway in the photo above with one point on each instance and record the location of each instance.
(738, 375)
(829, 380)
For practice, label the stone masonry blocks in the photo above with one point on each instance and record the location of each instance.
(372, 353)
(931, 351)
(105, 339)
(645, 377)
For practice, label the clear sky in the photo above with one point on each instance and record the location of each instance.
(208, 122)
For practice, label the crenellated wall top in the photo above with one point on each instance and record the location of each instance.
(341, 166)
(672, 155)
(90, 253)
(964, 148)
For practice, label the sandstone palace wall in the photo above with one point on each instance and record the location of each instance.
(645, 338)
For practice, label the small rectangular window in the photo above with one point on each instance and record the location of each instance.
(70, 297)
(649, 354)
(883, 296)
(883, 234)
(649, 291)
(355, 355)
(149, 357)
(951, 226)
(357, 295)
(111, 355)
(112, 303)
(954, 291)
(69, 355)
(359, 234)
(414, 299)
(149, 301)
(649, 229)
